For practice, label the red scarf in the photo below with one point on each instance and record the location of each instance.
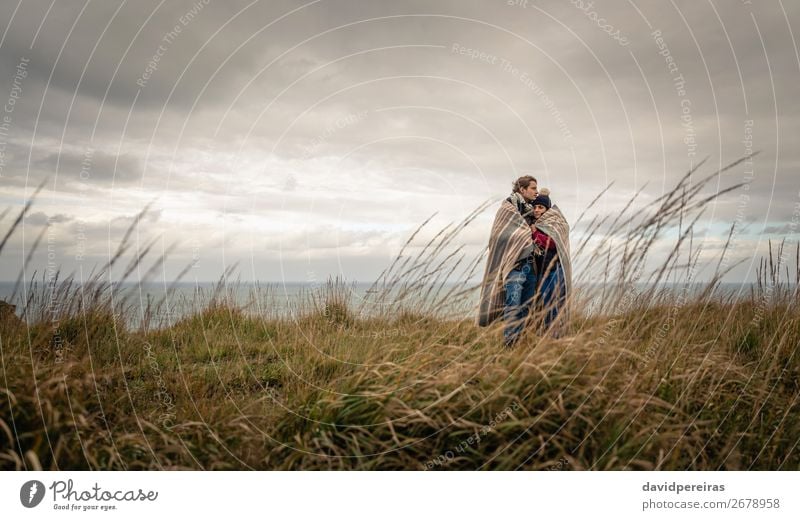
(543, 240)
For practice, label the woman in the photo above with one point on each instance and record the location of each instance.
(551, 261)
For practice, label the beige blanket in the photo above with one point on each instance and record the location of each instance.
(510, 240)
(555, 225)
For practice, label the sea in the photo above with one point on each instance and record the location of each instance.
(164, 304)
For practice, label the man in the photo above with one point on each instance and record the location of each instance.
(509, 281)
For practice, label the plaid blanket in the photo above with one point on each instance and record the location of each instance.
(510, 240)
(553, 223)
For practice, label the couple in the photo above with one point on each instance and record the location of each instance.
(528, 263)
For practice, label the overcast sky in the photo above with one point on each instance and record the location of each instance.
(310, 139)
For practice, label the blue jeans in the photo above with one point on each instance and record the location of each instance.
(520, 288)
(552, 295)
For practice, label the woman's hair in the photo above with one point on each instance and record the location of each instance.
(523, 182)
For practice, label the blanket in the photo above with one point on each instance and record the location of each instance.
(510, 240)
(553, 223)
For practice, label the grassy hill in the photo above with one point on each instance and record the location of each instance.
(224, 390)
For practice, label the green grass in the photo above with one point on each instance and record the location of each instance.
(239, 392)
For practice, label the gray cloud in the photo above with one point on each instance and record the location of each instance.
(377, 114)
(39, 218)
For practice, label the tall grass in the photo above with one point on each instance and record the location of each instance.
(645, 378)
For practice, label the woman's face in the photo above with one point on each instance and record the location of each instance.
(530, 193)
(538, 210)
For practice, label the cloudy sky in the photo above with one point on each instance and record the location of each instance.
(304, 140)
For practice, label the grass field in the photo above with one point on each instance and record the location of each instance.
(654, 380)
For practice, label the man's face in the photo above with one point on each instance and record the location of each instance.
(531, 192)
(538, 210)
